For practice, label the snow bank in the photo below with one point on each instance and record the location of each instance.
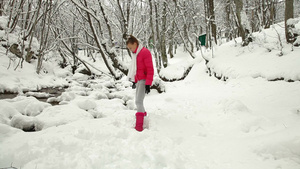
(176, 71)
(26, 78)
(15, 79)
(60, 115)
(262, 58)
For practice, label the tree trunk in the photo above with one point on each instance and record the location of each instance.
(112, 72)
(289, 13)
(208, 32)
(272, 12)
(163, 49)
(46, 21)
(153, 37)
(171, 41)
(125, 21)
(1, 7)
(264, 17)
(107, 23)
(157, 36)
(228, 21)
(212, 22)
(239, 9)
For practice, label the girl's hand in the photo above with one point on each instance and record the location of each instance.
(147, 89)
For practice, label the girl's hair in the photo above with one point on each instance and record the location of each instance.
(131, 39)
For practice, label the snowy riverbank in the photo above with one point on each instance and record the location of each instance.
(201, 122)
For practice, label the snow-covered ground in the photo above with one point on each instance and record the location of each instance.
(268, 56)
(201, 122)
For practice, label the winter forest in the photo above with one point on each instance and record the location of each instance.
(225, 92)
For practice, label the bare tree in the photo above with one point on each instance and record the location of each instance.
(153, 40)
(182, 30)
(1, 7)
(44, 32)
(242, 22)
(163, 36)
(289, 13)
(239, 8)
(96, 25)
(211, 28)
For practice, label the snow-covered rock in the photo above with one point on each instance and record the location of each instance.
(35, 108)
(63, 73)
(63, 114)
(80, 77)
(26, 123)
(67, 96)
(87, 104)
(29, 106)
(99, 95)
(7, 112)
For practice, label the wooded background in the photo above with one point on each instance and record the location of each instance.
(102, 26)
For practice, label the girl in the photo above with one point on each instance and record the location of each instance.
(141, 74)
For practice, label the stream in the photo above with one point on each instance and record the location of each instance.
(42, 94)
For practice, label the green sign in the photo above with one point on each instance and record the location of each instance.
(202, 39)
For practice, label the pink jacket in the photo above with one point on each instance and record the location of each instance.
(144, 66)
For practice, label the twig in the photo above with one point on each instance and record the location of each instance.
(280, 42)
(18, 64)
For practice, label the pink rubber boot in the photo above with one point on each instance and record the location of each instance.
(139, 120)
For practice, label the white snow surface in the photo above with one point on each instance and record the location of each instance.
(246, 122)
(262, 58)
(26, 78)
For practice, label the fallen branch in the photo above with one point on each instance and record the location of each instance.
(185, 73)
(85, 62)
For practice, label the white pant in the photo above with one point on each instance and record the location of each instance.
(140, 95)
